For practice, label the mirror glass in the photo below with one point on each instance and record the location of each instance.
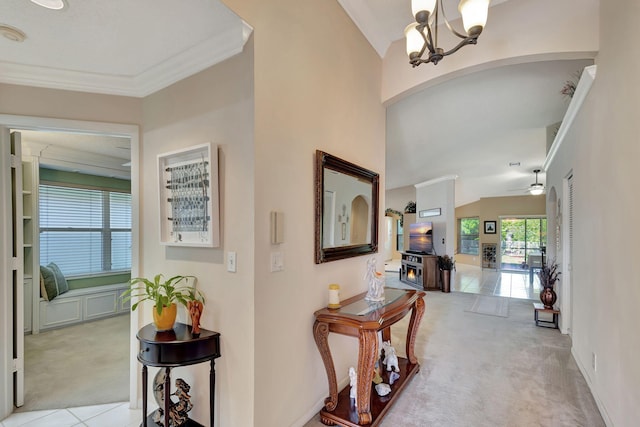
(346, 209)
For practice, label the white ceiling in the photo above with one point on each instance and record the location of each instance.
(475, 125)
(121, 47)
(75, 152)
(470, 127)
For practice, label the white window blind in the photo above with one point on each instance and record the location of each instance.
(85, 231)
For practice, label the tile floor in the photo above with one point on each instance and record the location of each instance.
(465, 278)
(108, 415)
(475, 280)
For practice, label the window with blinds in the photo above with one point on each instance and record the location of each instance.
(85, 231)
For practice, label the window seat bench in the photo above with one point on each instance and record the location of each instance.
(82, 305)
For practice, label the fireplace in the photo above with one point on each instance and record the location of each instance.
(420, 271)
(411, 272)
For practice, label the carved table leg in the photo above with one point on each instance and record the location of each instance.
(321, 334)
(367, 355)
(412, 331)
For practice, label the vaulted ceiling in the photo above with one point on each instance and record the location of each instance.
(471, 126)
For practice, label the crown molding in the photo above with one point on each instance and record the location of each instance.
(172, 70)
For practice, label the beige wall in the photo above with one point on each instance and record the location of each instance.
(398, 198)
(602, 151)
(215, 105)
(63, 104)
(317, 86)
(490, 209)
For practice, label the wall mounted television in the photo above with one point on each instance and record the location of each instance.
(421, 238)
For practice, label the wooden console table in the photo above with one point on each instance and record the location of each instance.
(178, 347)
(363, 320)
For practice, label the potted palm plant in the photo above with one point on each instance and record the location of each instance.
(164, 294)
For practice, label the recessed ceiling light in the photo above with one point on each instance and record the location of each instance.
(12, 33)
(50, 4)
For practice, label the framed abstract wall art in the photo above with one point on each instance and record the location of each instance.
(189, 205)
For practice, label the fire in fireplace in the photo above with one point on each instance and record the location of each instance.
(411, 274)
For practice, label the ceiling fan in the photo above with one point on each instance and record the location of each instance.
(536, 188)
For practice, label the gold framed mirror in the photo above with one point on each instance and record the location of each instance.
(346, 209)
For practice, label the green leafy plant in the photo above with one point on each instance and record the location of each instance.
(163, 292)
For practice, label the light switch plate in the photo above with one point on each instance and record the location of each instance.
(231, 262)
(277, 263)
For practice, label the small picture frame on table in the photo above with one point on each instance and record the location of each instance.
(489, 227)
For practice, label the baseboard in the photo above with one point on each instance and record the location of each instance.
(300, 422)
(596, 397)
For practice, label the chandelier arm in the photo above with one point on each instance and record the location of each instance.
(466, 41)
(428, 39)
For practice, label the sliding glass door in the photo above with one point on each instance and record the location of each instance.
(520, 238)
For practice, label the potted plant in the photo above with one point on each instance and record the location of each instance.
(411, 207)
(446, 264)
(548, 276)
(164, 294)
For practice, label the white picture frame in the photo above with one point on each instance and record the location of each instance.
(189, 197)
(430, 212)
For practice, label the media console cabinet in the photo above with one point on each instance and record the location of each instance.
(421, 270)
(363, 320)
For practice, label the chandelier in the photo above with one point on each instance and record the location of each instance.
(422, 35)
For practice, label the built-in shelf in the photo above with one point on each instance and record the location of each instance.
(26, 217)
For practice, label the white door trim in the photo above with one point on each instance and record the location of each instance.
(78, 126)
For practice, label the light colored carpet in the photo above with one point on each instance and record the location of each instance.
(488, 371)
(492, 306)
(79, 365)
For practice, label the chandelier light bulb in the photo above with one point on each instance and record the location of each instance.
(50, 4)
(418, 6)
(423, 47)
(474, 14)
(414, 39)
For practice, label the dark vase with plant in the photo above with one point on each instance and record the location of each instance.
(445, 265)
(548, 276)
(164, 294)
